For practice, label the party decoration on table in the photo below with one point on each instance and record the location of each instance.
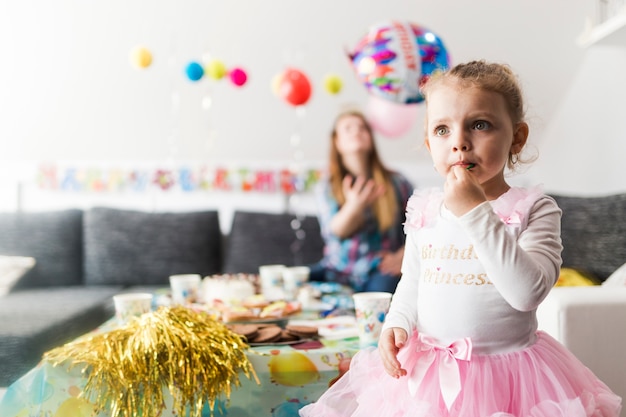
(292, 369)
(194, 71)
(294, 87)
(238, 76)
(216, 69)
(333, 84)
(388, 118)
(190, 353)
(140, 57)
(396, 57)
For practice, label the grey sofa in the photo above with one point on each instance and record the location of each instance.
(85, 257)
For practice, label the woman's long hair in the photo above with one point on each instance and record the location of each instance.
(386, 206)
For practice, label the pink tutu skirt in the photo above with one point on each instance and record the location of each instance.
(543, 380)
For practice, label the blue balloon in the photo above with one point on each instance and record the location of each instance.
(194, 71)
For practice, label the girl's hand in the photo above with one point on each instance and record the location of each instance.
(389, 344)
(462, 192)
(361, 193)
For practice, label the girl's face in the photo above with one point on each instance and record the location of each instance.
(471, 127)
(352, 136)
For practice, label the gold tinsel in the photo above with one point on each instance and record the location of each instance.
(187, 352)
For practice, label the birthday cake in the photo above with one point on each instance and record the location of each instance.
(229, 288)
(236, 298)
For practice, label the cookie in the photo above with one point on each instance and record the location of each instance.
(288, 337)
(267, 335)
(304, 332)
(249, 331)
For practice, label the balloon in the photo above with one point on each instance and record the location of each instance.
(194, 71)
(389, 118)
(276, 81)
(333, 84)
(292, 369)
(140, 57)
(295, 87)
(238, 76)
(395, 58)
(216, 69)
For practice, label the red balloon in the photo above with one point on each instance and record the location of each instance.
(295, 87)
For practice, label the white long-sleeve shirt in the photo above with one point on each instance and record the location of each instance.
(481, 275)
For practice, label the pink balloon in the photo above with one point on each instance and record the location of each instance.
(238, 76)
(389, 118)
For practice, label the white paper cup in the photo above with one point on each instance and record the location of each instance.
(130, 305)
(371, 309)
(185, 288)
(294, 278)
(271, 277)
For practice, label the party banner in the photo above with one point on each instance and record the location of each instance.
(94, 179)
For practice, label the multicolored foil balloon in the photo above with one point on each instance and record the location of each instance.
(395, 58)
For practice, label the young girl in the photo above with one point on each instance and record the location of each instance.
(461, 335)
(361, 212)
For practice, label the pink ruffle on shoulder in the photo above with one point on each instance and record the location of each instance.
(512, 207)
(422, 208)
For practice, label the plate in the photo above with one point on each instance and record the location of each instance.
(285, 343)
(280, 321)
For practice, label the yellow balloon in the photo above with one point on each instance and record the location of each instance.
(276, 81)
(332, 83)
(293, 369)
(216, 69)
(75, 407)
(140, 57)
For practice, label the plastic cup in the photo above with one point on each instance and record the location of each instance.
(371, 309)
(294, 278)
(131, 305)
(271, 277)
(185, 288)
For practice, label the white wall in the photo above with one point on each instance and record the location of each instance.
(68, 91)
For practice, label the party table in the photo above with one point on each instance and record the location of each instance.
(290, 376)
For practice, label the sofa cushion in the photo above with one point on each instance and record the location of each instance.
(144, 248)
(37, 320)
(617, 278)
(12, 268)
(266, 238)
(593, 233)
(53, 238)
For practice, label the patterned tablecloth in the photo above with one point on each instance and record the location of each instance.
(290, 376)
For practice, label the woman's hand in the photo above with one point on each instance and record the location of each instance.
(391, 262)
(389, 344)
(462, 192)
(361, 193)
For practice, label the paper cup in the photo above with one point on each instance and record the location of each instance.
(271, 277)
(130, 305)
(371, 309)
(185, 288)
(294, 278)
